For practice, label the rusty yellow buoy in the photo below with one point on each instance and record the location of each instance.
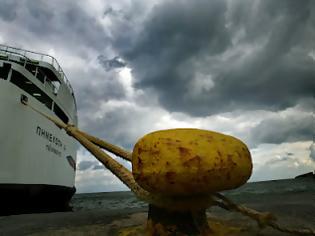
(190, 161)
(187, 163)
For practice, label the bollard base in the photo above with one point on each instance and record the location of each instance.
(166, 226)
(166, 222)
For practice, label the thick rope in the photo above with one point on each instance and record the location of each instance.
(107, 146)
(98, 142)
(262, 218)
(116, 168)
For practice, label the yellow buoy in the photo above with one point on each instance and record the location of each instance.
(181, 162)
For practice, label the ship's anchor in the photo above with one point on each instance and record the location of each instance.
(179, 172)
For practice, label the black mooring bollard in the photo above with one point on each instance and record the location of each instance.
(168, 222)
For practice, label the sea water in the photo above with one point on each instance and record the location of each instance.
(249, 192)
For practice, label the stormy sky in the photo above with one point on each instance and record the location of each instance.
(241, 67)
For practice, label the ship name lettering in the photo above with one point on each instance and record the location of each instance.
(53, 150)
(49, 136)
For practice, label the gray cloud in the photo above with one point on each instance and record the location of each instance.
(280, 170)
(84, 165)
(312, 154)
(279, 160)
(93, 165)
(98, 167)
(245, 61)
(67, 25)
(101, 182)
(120, 126)
(8, 10)
(93, 86)
(91, 96)
(111, 12)
(284, 128)
(109, 64)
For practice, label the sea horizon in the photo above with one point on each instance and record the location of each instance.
(249, 192)
(249, 182)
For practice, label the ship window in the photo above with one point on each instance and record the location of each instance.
(23, 83)
(41, 75)
(60, 114)
(31, 68)
(4, 70)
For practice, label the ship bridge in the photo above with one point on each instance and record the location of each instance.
(44, 67)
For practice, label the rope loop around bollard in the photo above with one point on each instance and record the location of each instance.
(187, 203)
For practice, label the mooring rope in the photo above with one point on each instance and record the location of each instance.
(262, 218)
(115, 167)
(93, 144)
(98, 142)
(108, 146)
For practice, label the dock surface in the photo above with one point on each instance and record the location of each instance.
(293, 210)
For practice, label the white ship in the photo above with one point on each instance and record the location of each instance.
(37, 159)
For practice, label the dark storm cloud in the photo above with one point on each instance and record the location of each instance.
(56, 22)
(182, 39)
(110, 64)
(8, 10)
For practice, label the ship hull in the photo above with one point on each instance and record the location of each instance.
(30, 198)
(37, 159)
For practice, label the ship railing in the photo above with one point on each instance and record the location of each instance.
(35, 57)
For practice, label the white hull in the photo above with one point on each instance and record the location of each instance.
(28, 156)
